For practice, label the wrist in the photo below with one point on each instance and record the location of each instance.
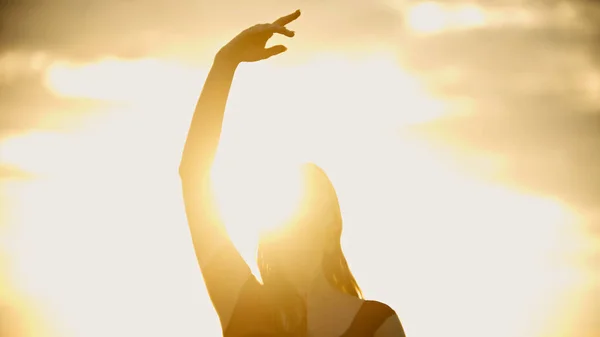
(223, 60)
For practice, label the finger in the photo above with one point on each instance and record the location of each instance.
(273, 28)
(272, 51)
(284, 20)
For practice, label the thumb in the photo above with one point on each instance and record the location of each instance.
(272, 51)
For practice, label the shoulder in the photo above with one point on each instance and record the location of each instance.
(378, 309)
(372, 317)
(390, 322)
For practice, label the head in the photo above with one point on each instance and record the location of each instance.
(307, 245)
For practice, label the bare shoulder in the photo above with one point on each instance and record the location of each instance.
(377, 319)
(391, 326)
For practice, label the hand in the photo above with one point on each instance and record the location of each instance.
(250, 44)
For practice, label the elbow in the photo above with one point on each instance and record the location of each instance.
(193, 172)
(185, 170)
(186, 167)
(182, 171)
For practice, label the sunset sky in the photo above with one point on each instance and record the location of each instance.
(462, 138)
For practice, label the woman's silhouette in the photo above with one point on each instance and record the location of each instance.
(307, 289)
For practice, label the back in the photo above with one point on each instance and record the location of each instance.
(254, 315)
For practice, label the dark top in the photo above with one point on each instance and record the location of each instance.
(251, 316)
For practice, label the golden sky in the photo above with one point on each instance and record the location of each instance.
(461, 137)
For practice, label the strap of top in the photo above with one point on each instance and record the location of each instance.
(368, 319)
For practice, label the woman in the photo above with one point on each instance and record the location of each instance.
(307, 288)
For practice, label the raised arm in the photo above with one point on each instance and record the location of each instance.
(223, 268)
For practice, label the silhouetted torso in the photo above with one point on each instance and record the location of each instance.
(252, 316)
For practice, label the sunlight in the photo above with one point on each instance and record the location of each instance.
(318, 106)
(257, 197)
(491, 238)
(320, 81)
(254, 197)
(426, 17)
(73, 290)
(32, 151)
(433, 17)
(107, 224)
(137, 81)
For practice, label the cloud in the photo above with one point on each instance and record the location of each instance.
(552, 154)
(525, 76)
(512, 67)
(27, 103)
(90, 28)
(505, 65)
(11, 173)
(526, 92)
(131, 29)
(38, 34)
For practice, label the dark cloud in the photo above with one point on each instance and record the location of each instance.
(88, 29)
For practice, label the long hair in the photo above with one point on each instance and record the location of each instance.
(289, 307)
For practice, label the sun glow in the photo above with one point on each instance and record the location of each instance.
(488, 250)
(433, 17)
(260, 197)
